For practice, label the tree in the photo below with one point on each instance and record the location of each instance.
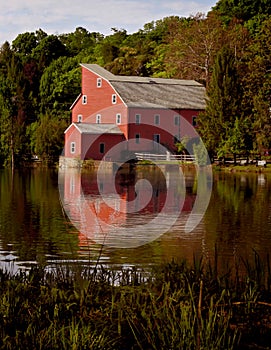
(242, 9)
(80, 40)
(24, 44)
(12, 108)
(108, 49)
(59, 86)
(49, 48)
(224, 94)
(46, 137)
(194, 44)
(234, 143)
(158, 45)
(256, 83)
(136, 54)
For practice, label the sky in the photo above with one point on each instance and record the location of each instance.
(64, 16)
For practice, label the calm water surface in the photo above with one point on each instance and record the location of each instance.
(46, 217)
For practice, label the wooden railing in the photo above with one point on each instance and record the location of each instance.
(166, 157)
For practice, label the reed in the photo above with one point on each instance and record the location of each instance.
(174, 306)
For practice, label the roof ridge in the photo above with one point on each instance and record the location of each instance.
(97, 128)
(135, 78)
(152, 80)
(95, 68)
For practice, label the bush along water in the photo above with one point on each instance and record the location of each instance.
(173, 306)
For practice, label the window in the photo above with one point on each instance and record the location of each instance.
(79, 118)
(176, 120)
(137, 118)
(84, 99)
(114, 98)
(72, 185)
(118, 118)
(156, 138)
(102, 147)
(117, 204)
(98, 119)
(99, 82)
(137, 138)
(157, 119)
(194, 120)
(72, 147)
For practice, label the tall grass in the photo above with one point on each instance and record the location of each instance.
(174, 306)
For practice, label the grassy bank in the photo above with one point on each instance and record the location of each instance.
(172, 307)
(243, 168)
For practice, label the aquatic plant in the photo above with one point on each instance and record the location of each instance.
(173, 306)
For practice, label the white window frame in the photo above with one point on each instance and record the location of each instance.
(137, 118)
(118, 118)
(137, 138)
(84, 99)
(114, 99)
(117, 204)
(72, 147)
(79, 118)
(72, 185)
(99, 82)
(98, 118)
(157, 119)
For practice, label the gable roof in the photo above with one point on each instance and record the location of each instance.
(97, 129)
(150, 92)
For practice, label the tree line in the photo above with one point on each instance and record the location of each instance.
(228, 50)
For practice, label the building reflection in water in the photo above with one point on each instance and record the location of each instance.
(126, 208)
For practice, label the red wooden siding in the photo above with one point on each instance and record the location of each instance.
(98, 98)
(87, 146)
(72, 135)
(93, 151)
(99, 102)
(167, 129)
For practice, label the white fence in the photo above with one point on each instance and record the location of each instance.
(166, 157)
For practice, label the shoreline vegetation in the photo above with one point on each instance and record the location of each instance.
(242, 168)
(171, 306)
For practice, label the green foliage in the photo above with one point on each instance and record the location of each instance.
(24, 44)
(48, 49)
(220, 125)
(174, 306)
(80, 41)
(257, 86)
(12, 109)
(181, 145)
(5, 127)
(234, 142)
(46, 137)
(242, 9)
(59, 85)
(201, 154)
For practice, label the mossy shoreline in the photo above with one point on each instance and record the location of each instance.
(173, 306)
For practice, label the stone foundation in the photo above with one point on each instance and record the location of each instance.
(65, 162)
(77, 163)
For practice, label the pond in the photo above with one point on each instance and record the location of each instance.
(133, 217)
